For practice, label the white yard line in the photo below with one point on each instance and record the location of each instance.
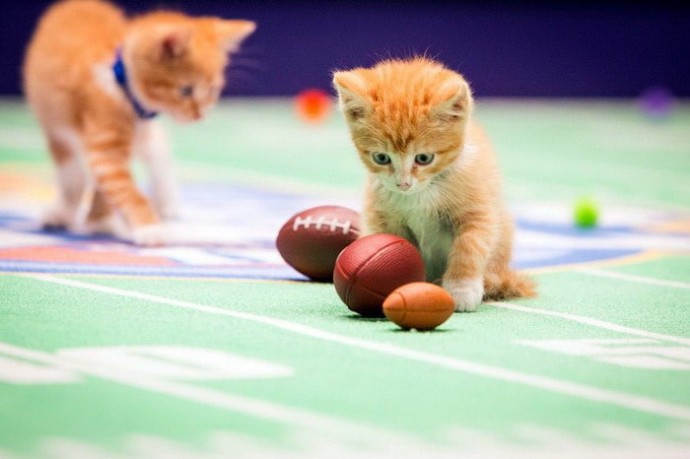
(590, 393)
(245, 405)
(593, 322)
(634, 278)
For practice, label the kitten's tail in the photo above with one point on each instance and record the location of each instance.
(509, 284)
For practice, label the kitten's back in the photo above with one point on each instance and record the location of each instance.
(58, 64)
(57, 52)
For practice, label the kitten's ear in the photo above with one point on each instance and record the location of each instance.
(457, 100)
(232, 32)
(352, 91)
(174, 42)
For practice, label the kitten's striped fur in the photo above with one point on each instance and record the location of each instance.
(90, 126)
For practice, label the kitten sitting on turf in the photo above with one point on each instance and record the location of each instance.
(433, 177)
(94, 78)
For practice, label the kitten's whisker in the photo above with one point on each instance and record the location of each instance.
(239, 80)
(243, 61)
(255, 49)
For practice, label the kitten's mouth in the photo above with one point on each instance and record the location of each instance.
(405, 188)
(187, 118)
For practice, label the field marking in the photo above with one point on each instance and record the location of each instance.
(244, 405)
(638, 353)
(229, 280)
(634, 278)
(621, 399)
(648, 255)
(593, 322)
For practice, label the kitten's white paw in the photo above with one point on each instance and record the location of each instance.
(57, 216)
(467, 293)
(170, 212)
(111, 224)
(168, 208)
(150, 235)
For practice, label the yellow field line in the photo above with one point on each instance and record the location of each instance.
(648, 255)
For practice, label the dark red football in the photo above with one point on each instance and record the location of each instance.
(311, 240)
(370, 268)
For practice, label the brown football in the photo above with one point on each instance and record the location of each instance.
(419, 305)
(371, 268)
(311, 240)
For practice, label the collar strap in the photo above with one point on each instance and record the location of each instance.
(121, 77)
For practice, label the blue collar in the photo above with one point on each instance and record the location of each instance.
(121, 78)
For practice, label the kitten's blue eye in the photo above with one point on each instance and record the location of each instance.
(381, 158)
(424, 158)
(186, 91)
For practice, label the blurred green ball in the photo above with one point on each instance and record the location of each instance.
(586, 212)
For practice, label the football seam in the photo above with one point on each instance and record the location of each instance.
(404, 300)
(325, 221)
(351, 221)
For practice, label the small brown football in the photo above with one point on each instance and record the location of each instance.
(311, 240)
(419, 305)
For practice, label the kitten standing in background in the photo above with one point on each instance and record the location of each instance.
(94, 79)
(433, 177)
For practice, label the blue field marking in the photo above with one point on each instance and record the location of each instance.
(552, 244)
(571, 257)
(228, 231)
(182, 272)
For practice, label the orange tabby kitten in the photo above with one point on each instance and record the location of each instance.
(433, 177)
(94, 79)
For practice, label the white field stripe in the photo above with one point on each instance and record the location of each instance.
(245, 405)
(634, 278)
(593, 322)
(621, 399)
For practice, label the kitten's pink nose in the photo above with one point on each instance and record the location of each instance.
(197, 115)
(404, 185)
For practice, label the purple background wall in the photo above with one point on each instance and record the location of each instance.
(524, 49)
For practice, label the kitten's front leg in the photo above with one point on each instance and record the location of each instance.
(151, 144)
(107, 151)
(464, 276)
(121, 192)
(467, 293)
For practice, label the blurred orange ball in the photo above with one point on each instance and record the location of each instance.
(313, 105)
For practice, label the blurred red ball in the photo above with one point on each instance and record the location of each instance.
(313, 105)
